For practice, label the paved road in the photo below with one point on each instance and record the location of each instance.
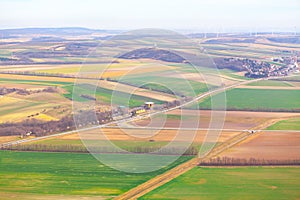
(126, 120)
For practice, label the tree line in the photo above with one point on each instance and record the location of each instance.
(228, 161)
(4, 90)
(80, 148)
(42, 128)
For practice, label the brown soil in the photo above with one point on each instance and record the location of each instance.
(239, 120)
(141, 135)
(269, 146)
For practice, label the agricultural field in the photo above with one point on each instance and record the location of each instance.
(235, 120)
(258, 100)
(128, 139)
(288, 124)
(4, 139)
(80, 175)
(105, 70)
(168, 85)
(111, 85)
(232, 183)
(268, 146)
(50, 105)
(39, 84)
(16, 108)
(105, 95)
(274, 83)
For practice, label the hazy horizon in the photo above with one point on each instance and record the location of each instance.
(184, 31)
(190, 15)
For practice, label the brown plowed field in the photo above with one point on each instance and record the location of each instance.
(239, 120)
(141, 135)
(268, 146)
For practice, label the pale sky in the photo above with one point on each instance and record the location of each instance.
(208, 15)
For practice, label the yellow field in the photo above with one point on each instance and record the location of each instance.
(13, 109)
(4, 139)
(38, 78)
(94, 70)
(135, 90)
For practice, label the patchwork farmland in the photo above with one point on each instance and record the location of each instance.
(56, 96)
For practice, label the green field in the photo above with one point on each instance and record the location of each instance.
(76, 145)
(102, 94)
(105, 95)
(232, 183)
(231, 74)
(258, 100)
(166, 84)
(289, 124)
(270, 83)
(65, 174)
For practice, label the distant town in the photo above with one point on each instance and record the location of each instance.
(281, 66)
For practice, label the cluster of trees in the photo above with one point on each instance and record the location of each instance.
(153, 53)
(7, 59)
(88, 97)
(33, 73)
(227, 161)
(36, 127)
(236, 64)
(42, 128)
(4, 90)
(173, 103)
(47, 148)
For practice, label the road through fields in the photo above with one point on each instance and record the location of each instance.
(139, 117)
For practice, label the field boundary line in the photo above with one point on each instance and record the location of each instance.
(159, 180)
(139, 117)
(166, 177)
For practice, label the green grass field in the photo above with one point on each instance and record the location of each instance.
(106, 95)
(102, 94)
(289, 124)
(270, 83)
(232, 183)
(65, 173)
(258, 100)
(167, 84)
(76, 145)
